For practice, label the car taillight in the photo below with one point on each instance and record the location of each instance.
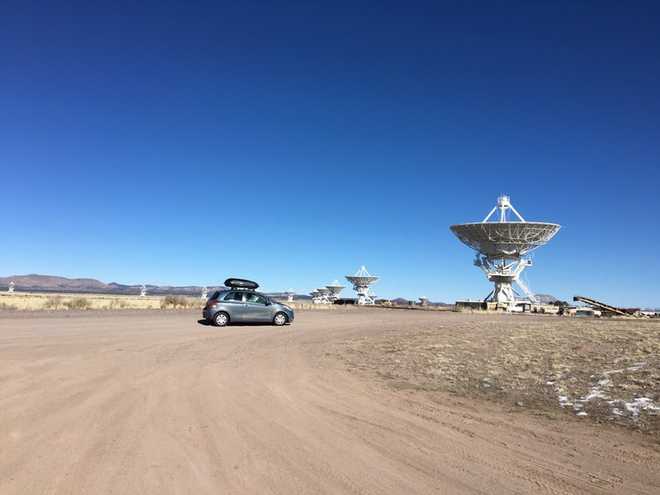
(210, 303)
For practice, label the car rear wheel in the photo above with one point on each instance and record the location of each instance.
(280, 319)
(221, 319)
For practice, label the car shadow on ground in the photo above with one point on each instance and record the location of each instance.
(210, 324)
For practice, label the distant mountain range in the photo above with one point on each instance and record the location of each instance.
(546, 298)
(52, 283)
(400, 301)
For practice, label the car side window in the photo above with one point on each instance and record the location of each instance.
(256, 299)
(234, 296)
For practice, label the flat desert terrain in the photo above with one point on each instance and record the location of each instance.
(364, 401)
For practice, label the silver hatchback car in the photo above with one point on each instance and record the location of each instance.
(239, 305)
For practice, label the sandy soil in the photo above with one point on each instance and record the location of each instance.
(155, 402)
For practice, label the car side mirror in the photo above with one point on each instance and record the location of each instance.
(268, 303)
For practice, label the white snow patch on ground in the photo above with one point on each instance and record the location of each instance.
(619, 407)
(638, 404)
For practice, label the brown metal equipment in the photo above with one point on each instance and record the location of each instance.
(604, 307)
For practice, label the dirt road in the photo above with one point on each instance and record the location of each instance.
(154, 402)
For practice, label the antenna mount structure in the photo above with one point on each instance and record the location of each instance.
(335, 288)
(320, 295)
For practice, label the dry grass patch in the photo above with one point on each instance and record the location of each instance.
(180, 302)
(35, 302)
(606, 370)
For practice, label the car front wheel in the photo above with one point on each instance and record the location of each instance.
(280, 319)
(221, 319)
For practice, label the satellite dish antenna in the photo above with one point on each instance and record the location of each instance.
(423, 301)
(503, 248)
(323, 295)
(361, 282)
(205, 293)
(335, 288)
(290, 293)
(143, 291)
(10, 289)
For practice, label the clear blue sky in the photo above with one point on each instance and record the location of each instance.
(356, 134)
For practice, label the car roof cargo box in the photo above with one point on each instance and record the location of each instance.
(241, 283)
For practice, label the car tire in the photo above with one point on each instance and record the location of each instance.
(221, 319)
(280, 319)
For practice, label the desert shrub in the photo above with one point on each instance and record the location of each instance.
(193, 302)
(78, 303)
(181, 302)
(117, 304)
(53, 302)
(173, 302)
(8, 306)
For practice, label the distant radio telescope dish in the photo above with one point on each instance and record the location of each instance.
(323, 295)
(335, 288)
(361, 282)
(320, 296)
(11, 286)
(502, 247)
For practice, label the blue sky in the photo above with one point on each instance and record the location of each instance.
(171, 143)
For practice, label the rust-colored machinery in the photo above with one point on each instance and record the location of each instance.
(606, 307)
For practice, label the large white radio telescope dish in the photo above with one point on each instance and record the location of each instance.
(502, 246)
(361, 282)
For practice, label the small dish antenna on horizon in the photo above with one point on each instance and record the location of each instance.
(10, 289)
(143, 291)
